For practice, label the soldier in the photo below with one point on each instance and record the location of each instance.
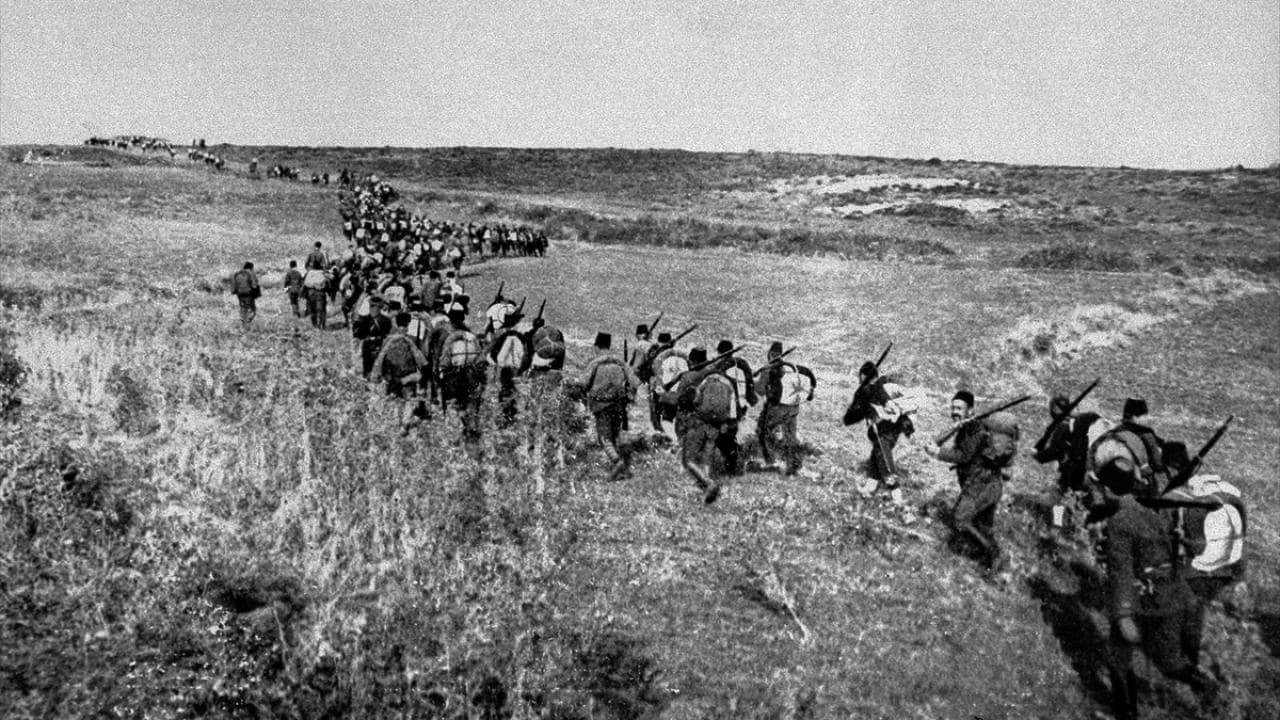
(293, 286)
(696, 433)
(1068, 444)
(883, 428)
(401, 363)
(314, 285)
(739, 371)
(667, 364)
(608, 384)
(511, 353)
(980, 455)
(460, 363)
(371, 330)
(1150, 604)
(785, 387)
(244, 285)
(1154, 473)
(317, 260)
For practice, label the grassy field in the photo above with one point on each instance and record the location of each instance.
(200, 521)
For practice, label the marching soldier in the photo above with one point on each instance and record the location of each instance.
(608, 384)
(785, 387)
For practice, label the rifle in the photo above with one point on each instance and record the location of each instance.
(677, 338)
(498, 295)
(625, 355)
(655, 322)
(774, 361)
(1048, 432)
(884, 355)
(956, 428)
(540, 309)
(1191, 468)
(701, 365)
(520, 307)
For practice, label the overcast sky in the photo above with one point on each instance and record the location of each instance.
(1157, 84)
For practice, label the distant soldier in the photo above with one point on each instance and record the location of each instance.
(785, 386)
(317, 259)
(293, 287)
(510, 353)
(253, 166)
(981, 455)
(739, 371)
(608, 385)
(371, 330)
(698, 424)
(400, 363)
(667, 365)
(460, 361)
(244, 285)
(1150, 604)
(314, 285)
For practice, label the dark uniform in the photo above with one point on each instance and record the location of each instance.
(697, 434)
(981, 487)
(776, 417)
(740, 372)
(371, 330)
(1150, 604)
(1068, 445)
(609, 411)
(507, 375)
(293, 286)
(882, 433)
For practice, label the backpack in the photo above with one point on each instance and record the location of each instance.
(608, 381)
(716, 399)
(511, 353)
(1000, 444)
(795, 387)
(670, 365)
(1220, 530)
(397, 358)
(548, 347)
(461, 349)
(315, 280)
(419, 328)
(241, 284)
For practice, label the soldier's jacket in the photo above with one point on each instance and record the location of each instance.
(1142, 578)
(966, 454)
(1068, 445)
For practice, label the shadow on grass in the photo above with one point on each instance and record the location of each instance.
(1269, 624)
(1070, 615)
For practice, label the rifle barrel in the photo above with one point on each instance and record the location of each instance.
(884, 354)
(1048, 432)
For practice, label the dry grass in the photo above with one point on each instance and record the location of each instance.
(248, 535)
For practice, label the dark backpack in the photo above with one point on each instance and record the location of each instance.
(461, 349)
(608, 381)
(242, 283)
(716, 399)
(398, 360)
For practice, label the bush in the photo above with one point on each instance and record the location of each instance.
(1079, 256)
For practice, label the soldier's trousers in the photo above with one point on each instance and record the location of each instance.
(727, 446)
(318, 308)
(369, 350)
(1163, 639)
(775, 420)
(507, 393)
(248, 309)
(294, 297)
(609, 428)
(975, 513)
(883, 437)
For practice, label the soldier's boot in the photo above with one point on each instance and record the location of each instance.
(1124, 694)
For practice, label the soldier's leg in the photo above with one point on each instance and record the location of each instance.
(974, 500)
(727, 446)
(877, 464)
(1162, 640)
(764, 435)
(655, 411)
(1124, 681)
(695, 438)
(791, 444)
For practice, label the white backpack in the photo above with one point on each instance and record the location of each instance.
(671, 367)
(511, 354)
(795, 386)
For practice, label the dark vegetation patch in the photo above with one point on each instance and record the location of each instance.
(1079, 256)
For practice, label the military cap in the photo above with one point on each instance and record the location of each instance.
(604, 340)
(1058, 405)
(965, 397)
(402, 319)
(664, 337)
(642, 329)
(869, 369)
(723, 347)
(1135, 407)
(697, 356)
(775, 347)
(457, 315)
(512, 319)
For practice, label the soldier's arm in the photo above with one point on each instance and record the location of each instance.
(752, 396)
(813, 381)
(1056, 448)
